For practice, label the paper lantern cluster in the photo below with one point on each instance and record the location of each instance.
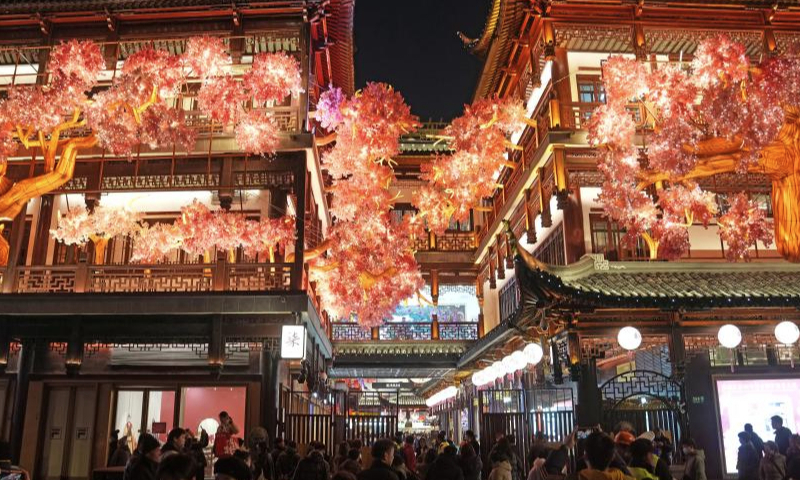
(721, 114)
(532, 354)
(441, 396)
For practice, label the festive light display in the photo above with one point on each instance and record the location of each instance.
(79, 226)
(140, 107)
(723, 114)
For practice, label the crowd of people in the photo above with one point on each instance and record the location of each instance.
(770, 460)
(620, 455)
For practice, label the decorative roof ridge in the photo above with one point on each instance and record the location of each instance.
(480, 45)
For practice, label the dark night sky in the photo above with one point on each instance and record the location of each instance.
(412, 45)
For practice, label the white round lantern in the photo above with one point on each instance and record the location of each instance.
(478, 378)
(520, 360)
(498, 369)
(509, 365)
(629, 338)
(729, 336)
(533, 353)
(787, 332)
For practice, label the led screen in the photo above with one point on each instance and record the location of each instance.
(755, 401)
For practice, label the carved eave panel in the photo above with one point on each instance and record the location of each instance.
(399, 349)
(594, 38)
(676, 41)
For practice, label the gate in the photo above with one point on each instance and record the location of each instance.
(370, 416)
(647, 400)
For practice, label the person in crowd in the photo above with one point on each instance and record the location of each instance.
(470, 462)
(382, 458)
(694, 466)
(538, 448)
(195, 447)
(260, 457)
(341, 455)
(441, 442)
(175, 466)
(773, 465)
(782, 434)
(176, 442)
(232, 468)
(446, 467)
(662, 445)
(399, 466)
(757, 442)
(422, 450)
(144, 462)
(624, 426)
(409, 456)
(287, 462)
(641, 466)
(344, 475)
(501, 466)
(313, 466)
(599, 453)
(660, 466)
(278, 447)
(121, 454)
(469, 436)
(352, 465)
(225, 443)
(113, 443)
(622, 444)
(793, 458)
(517, 467)
(747, 461)
(427, 462)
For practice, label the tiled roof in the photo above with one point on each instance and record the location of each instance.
(595, 282)
(340, 28)
(47, 6)
(503, 24)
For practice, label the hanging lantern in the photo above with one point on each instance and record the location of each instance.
(509, 365)
(729, 336)
(498, 369)
(520, 360)
(629, 338)
(479, 378)
(533, 353)
(787, 333)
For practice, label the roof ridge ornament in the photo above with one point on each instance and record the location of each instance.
(600, 261)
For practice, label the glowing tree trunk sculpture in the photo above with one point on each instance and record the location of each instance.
(723, 115)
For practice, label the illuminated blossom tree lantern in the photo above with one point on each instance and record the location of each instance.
(79, 226)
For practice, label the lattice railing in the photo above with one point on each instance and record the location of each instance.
(251, 277)
(411, 331)
(447, 242)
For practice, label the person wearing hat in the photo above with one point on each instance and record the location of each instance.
(143, 465)
(622, 444)
(660, 467)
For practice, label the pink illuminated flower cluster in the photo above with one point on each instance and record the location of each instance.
(721, 101)
(199, 231)
(459, 181)
(742, 226)
(329, 108)
(79, 225)
(273, 77)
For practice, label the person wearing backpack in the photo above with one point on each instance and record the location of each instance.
(773, 465)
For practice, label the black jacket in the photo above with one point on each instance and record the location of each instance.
(445, 468)
(782, 436)
(378, 471)
(140, 468)
(747, 462)
(471, 467)
(286, 463)
(313, 467)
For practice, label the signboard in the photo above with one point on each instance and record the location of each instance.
(392, 385)
(293, 342)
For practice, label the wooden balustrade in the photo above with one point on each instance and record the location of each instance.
(410, 331)
(213, 277)
(451, 241)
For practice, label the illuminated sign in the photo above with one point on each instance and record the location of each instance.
(293, 342)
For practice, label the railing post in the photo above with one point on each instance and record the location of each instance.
(82, 280)
(435, 330)
(220, 272)
(376, 333)
(9, 278)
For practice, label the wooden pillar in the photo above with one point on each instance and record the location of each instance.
(574, 236)
(544, 201)
(300, 185)
(270, 368)
(509, 252)
(15, 248)
(435, 293)
(677, 349)
(479, 295)
(639, 42)
(530, 217)
(42, 234)
(216, 344)
(492, 272)
(225, 191)
(27, 357)
(589, 409)
(499, 247)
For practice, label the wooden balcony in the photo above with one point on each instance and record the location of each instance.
(416, 331)
(451, 241)
(168, 278)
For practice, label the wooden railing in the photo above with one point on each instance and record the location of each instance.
(453, 241)
(411, 331)
(576, 115)
(213, 277)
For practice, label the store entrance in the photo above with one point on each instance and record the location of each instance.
(69, 431)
